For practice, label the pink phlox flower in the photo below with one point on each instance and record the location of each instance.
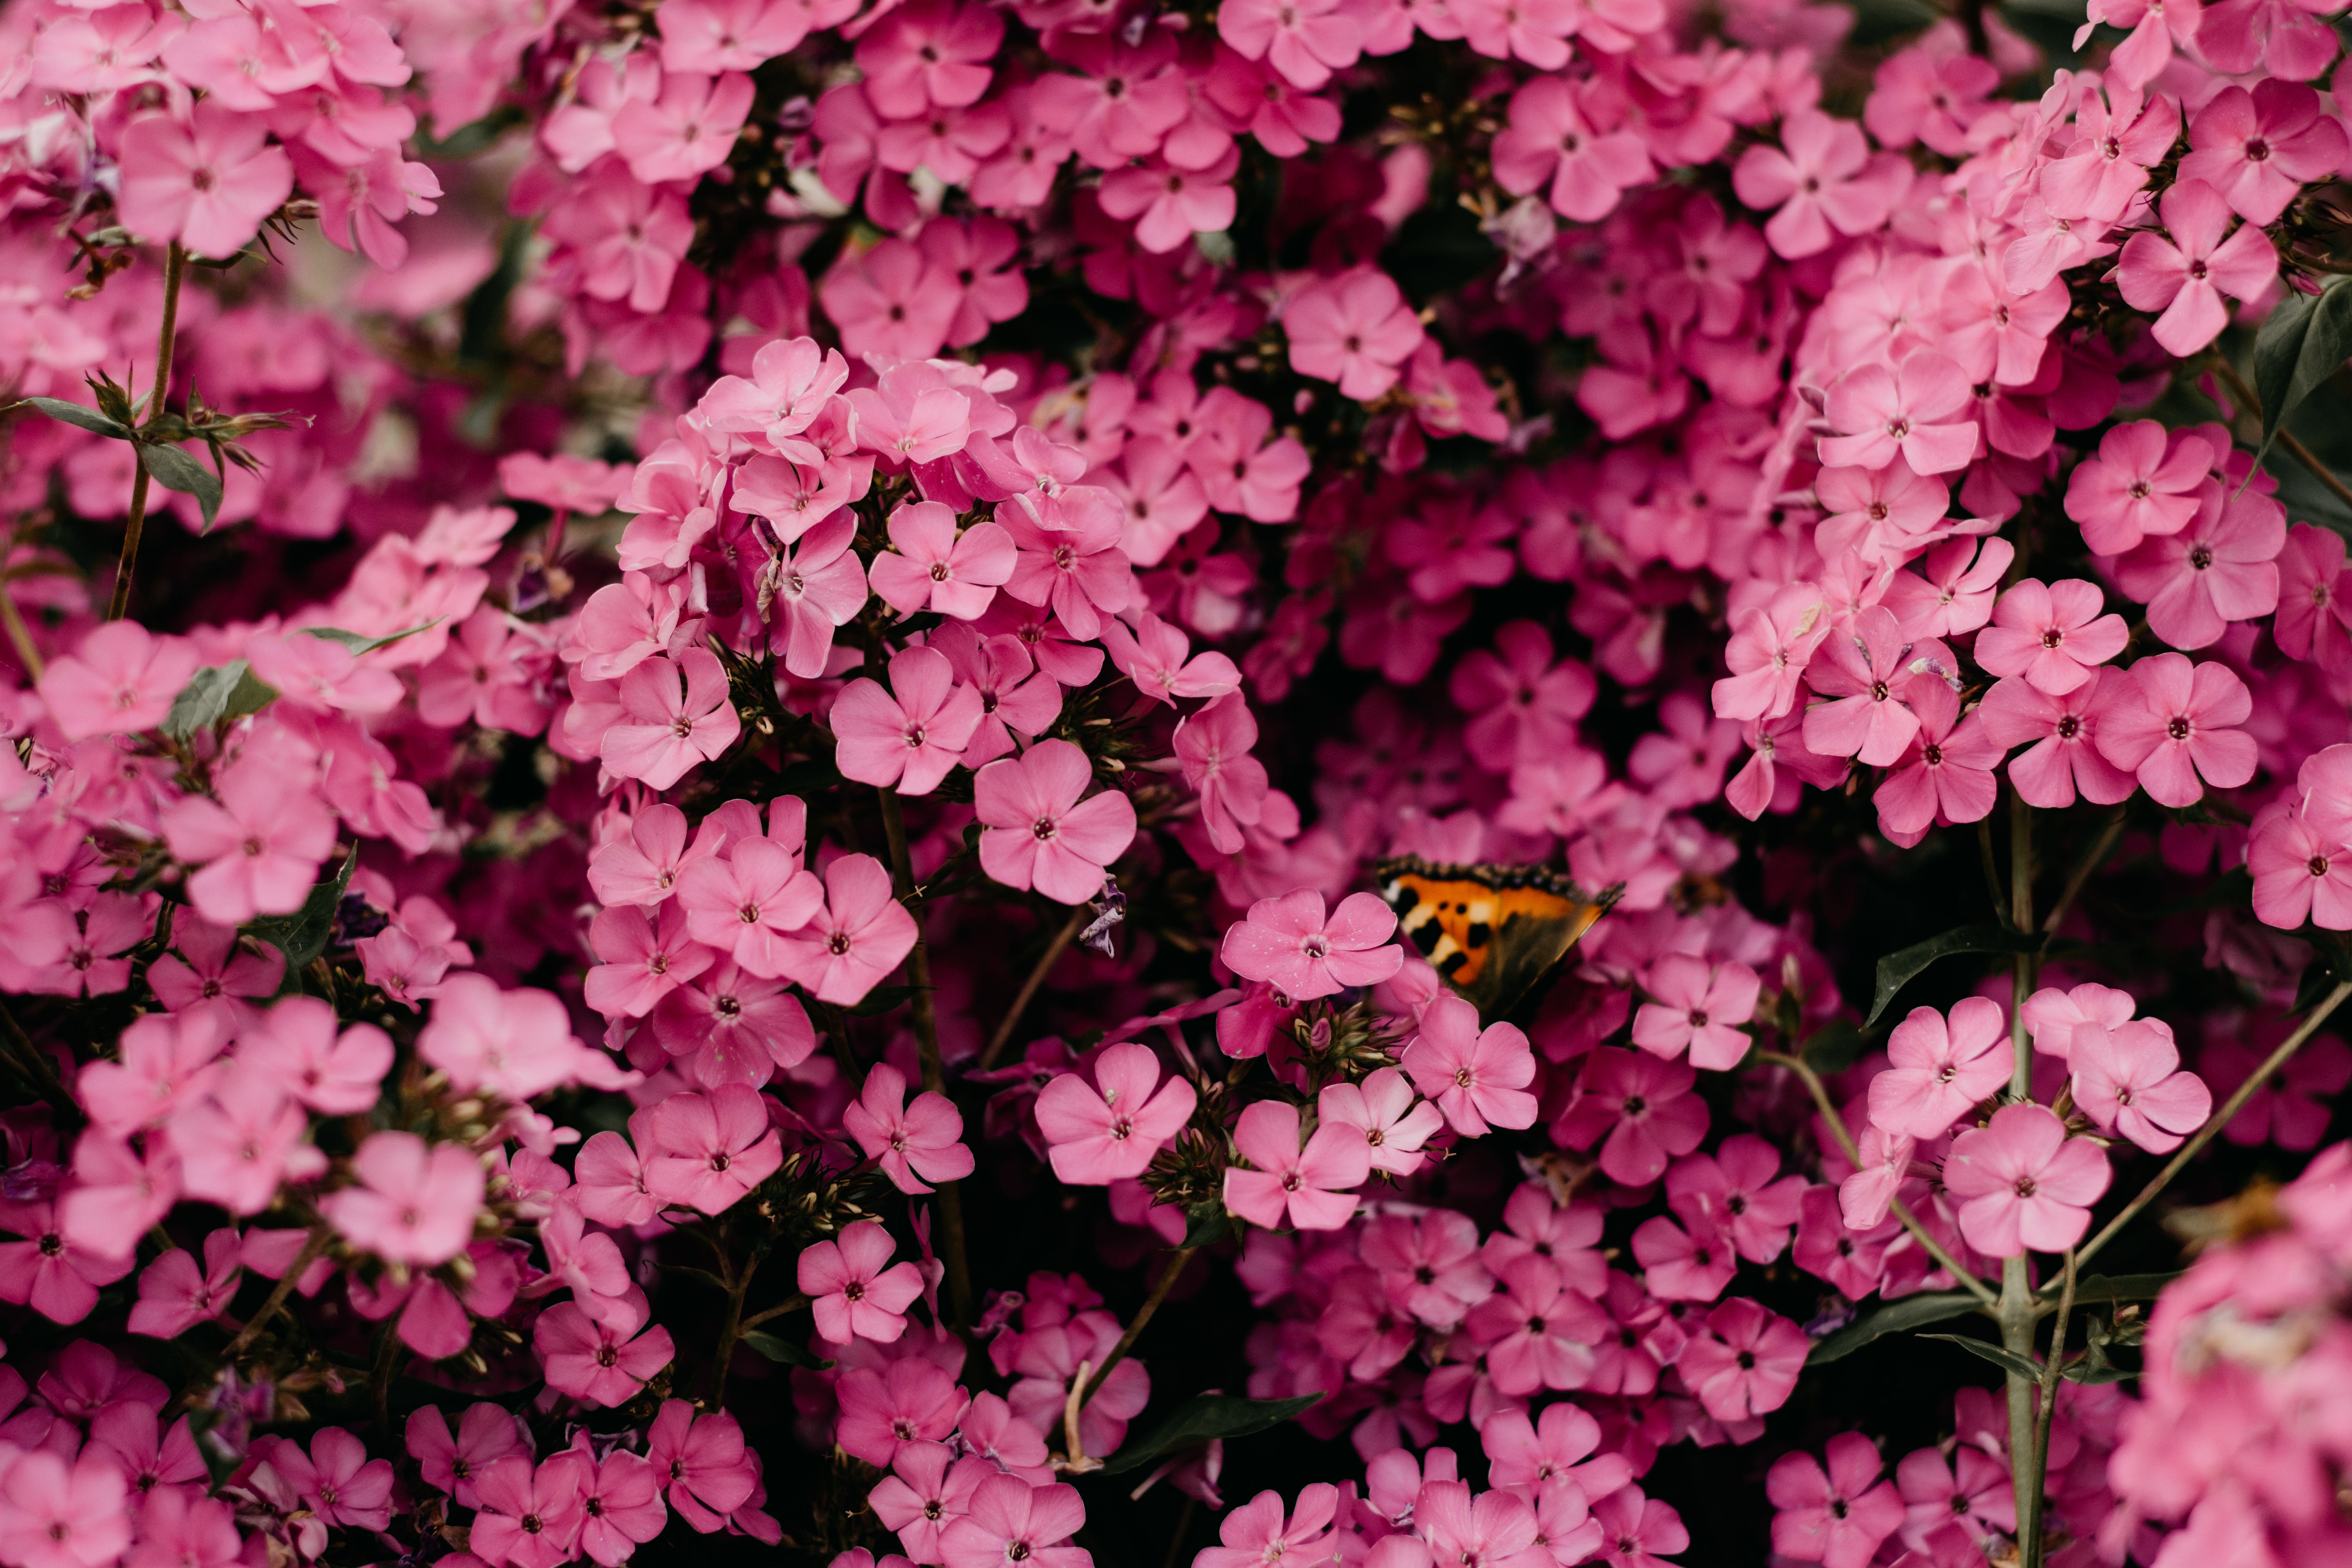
(1941, 1067)
(1570, 1236)
(2051, 1016)
(1430, 1263)
(2061, 734)
(2051, 634)
(701, 1464)
(1641, 1106)
(1683, 1264)
(1289, 943)
(515, 1044)
(1013, 1524)
(1015, 696)
(238, 1141)
(2186, 275)
(1907, 409)
(259, 840)
(620, 1503)
(1738, 1190)
(2143, 482)
(1240, 469)
(913, 1143)
(1158, 658)
(2022, 1185)
(642, 867)
(1924, 95)
(1101, 1134)
(1820, 181)
(744, 901)
(686, 131)
(936, 568)
(2174, 723)
(710, 1150)
(2122, 136)
(674, 715)
(415, 1202)
(1529, 1455)
(1068, 556)
(625, 622)
(55, 1515)
(344, 1487)
(1769, 650)
(1699, 1009)
(334, 1071)
(890, 300)
(1537, 1333)
(910, 1401)
(207, 182)
(791, 382)
(860, 936)
(529, 1516)
(1866, 675)
(643, 957)
(120, 678)
(1523, 705)
(929, 1489)
(1213, 745)
(1839, 1516)
(1569, 139)
(178, 1291)
(1036, 831)
(1314, 1186)
(1877, 512)
(1980, 1498)
(452, 1465)
(817, 584)
(1946, 774)
(493, 672)
(585, 1262)
(1355, 329)
(1303, 42)
(855, 1289)
(2315, 616)
(1743, 1362)
(1951, 593)
(165, 1063)
(1255, 1535)
(912, 414)
(2127, 1079)
(1477, 1078)
(929, 55)
(909, 736)
(2257, 149)
(602, 1361)
(1395, 1122)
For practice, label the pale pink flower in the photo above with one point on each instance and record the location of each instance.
(909, 736)
(1355, 329)
(861, 934)
(2127, 1079)
(2022, 1185)
(2051, 634)
(1906, 409)
(207, 183)
(2143, 481)
(1036, 831)
(746, 902)
(604, 1362)
(1305, 40)
(1013, 1525)
(2174, 723)
(913, 1143)
(2186, 275)
(1108, 1130)
(1699, 1009)
(120, 678)
(855, 1289)
(1314, 1186)
(1552, 140)
(1395, 1121)
(1478, 1077)
(2258, 148)
(1941, 1068)
(53, 1515)
(260, 842)
(335, 1071)
(936, 568)
(1819, 184)
(1289, 943)
(673, 717)
(415, 1202)
(709, 1151)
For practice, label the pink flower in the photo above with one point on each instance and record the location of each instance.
(911, 736)
(1553, 138)
(239, 1141)
(929, 55)
(2061, 734)
(1383, 1108)
(1770, 649)
(207, 183)
(2051, 1016)
(1699, 1009)
(177, 1291)
(1905, 410)
(1867, 674)
(1523, 706)
(622, 1505)
(1171, 205)
(855, 1289)
(515, 1044)
(485, 1433)
(602, 1361)
(1100, 1135)
(1537, 1333)
(2052, 634)
(2314, 619)
(120, 680)
(1946, 774)
(1817, 185)
(710, 1150)
(1069, 557)
(912, 1143)
(2186, 276)
(529, 1517)
(861, 934)
(2023, 1184)
(343, 1487)
(642, 959)
(1642, 1105)
(747, 903)
(2300, 873)
(881, 1411)
(2258, 148)
(1288, 943)
(890, 300)
(338, 1072)
(819, 584)
(50, 1271)
(673, 716)
(1744, 1362)
(2143, 482)
(53, 1516)
(415, 1202)
(1478, 1077)
(1941, 1069)
(1241, 470)
(1314, 1186)
(936, 568)
(701, 1462)
(2182, 727)
(684, 132)
(1255, 1536)
(260, 842)
(2126, 1077)
(1355, 329)
(1037, 831)
(1213, 745)
(1305, 42)
(1158, 658)
(1835, 1517)
(1013, 1524)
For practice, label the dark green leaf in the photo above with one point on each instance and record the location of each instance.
(1201, 1418)
(175, 470)
(2302, 344)
(2007, 1360)
(1898, 970)
(89, 420)
(1833, 1048)
(780, 1350)
(302, 935)
(1894, 1317)
(2099, 1287)
(359, 643)
(217, 694)
(220, 1460)
(883, 998)
(1207, 1224)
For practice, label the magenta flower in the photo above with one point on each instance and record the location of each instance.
(2145, 481)
(1643, 1106)
(1524, 702)
(207, 183)
(881, 1411)
(1553, 141)
(57, 1516)
(2174, 723)
(1638, 1531)
(54, 1273)
(891, 300)
(936, 568)
(1036, 831)
(1946, 774)
(1478, 1076)
(673, 717)
(1699, 1009)
(710, 1150)
(2300, 873)
(1383, 1108)
(120, 679)
(2185, 276)
(1303, 42)
(1837, 1515)
(1770, 649)
(177, 1291)
(2314, 619)
(1355, 329)
(744, 901)
(820, 586)
(1744, 1361)
(2061, 734)
(1255, 1535)
(1213, 746)
(912, 1143)
(1941, 1069)
(2256, 149)
(911, 736)
(2127, 1077)
(600, 1360)
(529, 1516)
(1314, 1186)
(1882, 412)
(343, 1487)
(1867, 675)
(1820, 184)
(1097, 1135)
(415, 1203)
(929, 1489)
(1537, 1333)
(1526, 1456)
(258, 842)
(642, 959)
(2051, 634)
(1013, 1524)
(1288, 943)
(622, 1508)
(860, 936)
(2023, 1184)
(855, 1289)
(2222, 567)
(452, 1465)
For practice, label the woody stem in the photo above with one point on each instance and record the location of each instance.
(175, 267)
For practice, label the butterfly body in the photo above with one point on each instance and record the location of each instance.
(1490, 931)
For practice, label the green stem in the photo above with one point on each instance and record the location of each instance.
(1030, 988)
(35, 1068)
(789, 1304)
(1992, 871)
(2021, 907)
(320, 1237)
(2029, 1517)
(1176, 1261)
(20, 635)
(175, 267)
(927, 1046)
(731, 1331)
(2219, 1118)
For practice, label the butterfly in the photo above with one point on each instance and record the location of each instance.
(1490, 931)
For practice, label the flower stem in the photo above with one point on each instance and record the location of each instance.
(2029, 1517)
(20, 635)
(175, 267)
(320, 1236)
(2021, 908)
(926, 1046)
(1030, 988)
(2218, 1120)
(2295, 450)
(739, 1285)
(1176, 1261)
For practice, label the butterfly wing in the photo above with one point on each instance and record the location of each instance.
(1490, 931)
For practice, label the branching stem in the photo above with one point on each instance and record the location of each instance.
(175, 267)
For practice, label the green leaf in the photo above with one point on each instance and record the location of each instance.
(1207, 1224)
(2302, 344)
(1833, 1048)
(2097, 1288)
(302, 935)
(359, 643)
(1202, 1418)
(175, 470)
(883, 998)
(1894, 1317)
(89, 420)
(1898, 970)
(2007, 1360)
(780, 1350)
(217, 694)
